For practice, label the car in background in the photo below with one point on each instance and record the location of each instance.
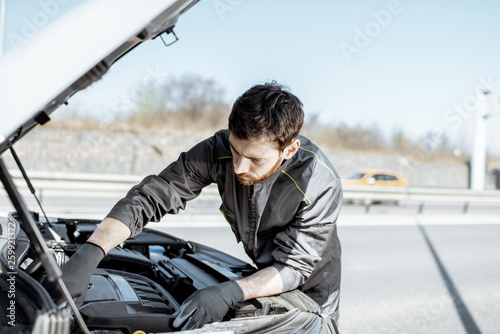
(376, 177)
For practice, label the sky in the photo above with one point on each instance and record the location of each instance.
(401, 65)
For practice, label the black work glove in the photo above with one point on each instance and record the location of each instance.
(76, 273)
(208, 305)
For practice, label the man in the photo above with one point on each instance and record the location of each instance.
(280, 195)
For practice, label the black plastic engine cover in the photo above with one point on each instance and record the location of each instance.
(129, 302)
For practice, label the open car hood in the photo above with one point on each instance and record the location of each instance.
(72, 53)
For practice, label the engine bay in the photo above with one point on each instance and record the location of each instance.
(140, 285)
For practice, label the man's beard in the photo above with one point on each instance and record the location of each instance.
(249, 180)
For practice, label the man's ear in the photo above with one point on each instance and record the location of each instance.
(291, 149)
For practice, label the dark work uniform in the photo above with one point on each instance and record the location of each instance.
(287, 221)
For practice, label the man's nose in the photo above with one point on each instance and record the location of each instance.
(241, 165)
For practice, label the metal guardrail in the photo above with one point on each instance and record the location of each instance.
(369, 195)
(78, 182)
(83, 183)
(120, 184)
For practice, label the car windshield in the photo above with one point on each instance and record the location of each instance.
(356, 176)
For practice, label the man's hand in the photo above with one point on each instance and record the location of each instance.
(76, 272)
(208, 305)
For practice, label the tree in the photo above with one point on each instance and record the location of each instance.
(188, 102)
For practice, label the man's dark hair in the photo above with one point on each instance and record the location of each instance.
(267, 110)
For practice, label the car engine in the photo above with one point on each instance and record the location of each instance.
(138, 286)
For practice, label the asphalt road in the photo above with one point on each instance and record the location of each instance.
(421, 279)
(403, 272)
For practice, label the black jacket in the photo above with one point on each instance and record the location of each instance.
(287, 221)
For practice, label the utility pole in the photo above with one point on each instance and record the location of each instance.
(487, 106)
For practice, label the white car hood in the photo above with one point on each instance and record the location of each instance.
(72, 53)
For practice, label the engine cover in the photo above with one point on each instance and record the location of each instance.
(129, 302)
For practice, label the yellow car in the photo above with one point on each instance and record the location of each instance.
(376, 177)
